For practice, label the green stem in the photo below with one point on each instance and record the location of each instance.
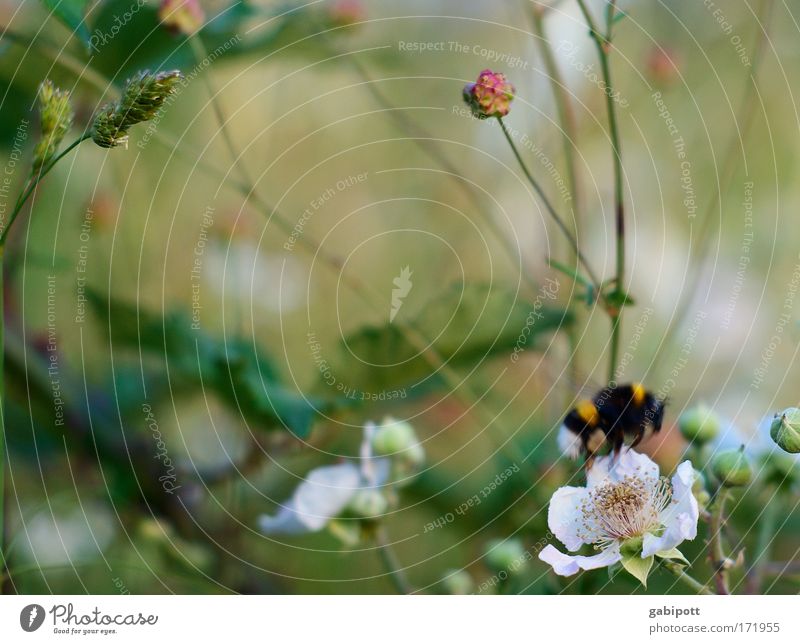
(718, 557)
(2, 424)
(391, 563)
(686, 578)
(549, 207)
(31, 186)
(603, 43)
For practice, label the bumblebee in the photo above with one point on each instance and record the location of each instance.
(615, 414)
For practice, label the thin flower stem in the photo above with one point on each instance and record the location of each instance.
(200, 54)
(718, 557)
(2, 424)
(603, 42)
(31, 186)
(199, 51)
(686, 578)
(429, 144)
(391, 563)
(549, 207)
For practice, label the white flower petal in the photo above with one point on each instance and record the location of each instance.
(564, 515)
(615, 468)
(679, 517)
(566, 565)
(631, 463)
(321, 497)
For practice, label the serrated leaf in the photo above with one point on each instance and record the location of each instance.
(638, 567)
(71, 13)
(466, 325)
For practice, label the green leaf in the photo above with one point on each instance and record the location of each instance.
(638, 567)
(571, 272)
(236, 370)
(466, 325)
(71, 13)
(619, 299)
(674, 553)
(618, 16)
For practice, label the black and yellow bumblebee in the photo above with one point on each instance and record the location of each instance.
(616, 414)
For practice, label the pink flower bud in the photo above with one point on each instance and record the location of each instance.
(181, 16)
(491, 95)
(343, 13)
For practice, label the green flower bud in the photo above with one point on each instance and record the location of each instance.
(369, 503)
(155, 530)
(732, 468)
(56, 116)
(785, 430)
(398, 441)
(142, 98)
(699, 424)
(458, 582)
(393, 436)
(506, 554)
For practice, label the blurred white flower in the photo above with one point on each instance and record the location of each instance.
(330, 490)
(74, 536)
(627, 511)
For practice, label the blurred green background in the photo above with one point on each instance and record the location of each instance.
(334, 111)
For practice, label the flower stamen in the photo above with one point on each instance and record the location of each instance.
(630, 508)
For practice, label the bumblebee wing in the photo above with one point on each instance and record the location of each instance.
(569, 442)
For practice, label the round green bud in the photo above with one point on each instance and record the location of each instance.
(700, 424)
(506, 554)
(785, 430)
(458, 582)
(393, 436)
(368, 503)
(732, 468)
(398, 441)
